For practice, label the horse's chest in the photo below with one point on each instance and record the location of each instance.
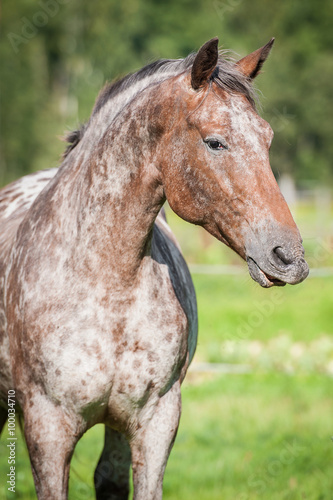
(149, 358)
(152, 342)
(116, 351)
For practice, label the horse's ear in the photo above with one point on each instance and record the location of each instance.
(251, 64)
(204, 63)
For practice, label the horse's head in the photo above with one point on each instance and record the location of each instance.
(216, 171)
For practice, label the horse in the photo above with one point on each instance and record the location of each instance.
(98, 311)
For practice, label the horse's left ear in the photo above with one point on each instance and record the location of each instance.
(251, 64)
(204, 63)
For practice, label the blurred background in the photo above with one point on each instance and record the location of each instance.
(257, 402)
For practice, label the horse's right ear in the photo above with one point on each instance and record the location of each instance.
(251, 64)
(204, 63)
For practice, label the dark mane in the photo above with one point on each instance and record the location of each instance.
(73, 138)
(226, 76)
(110, 90)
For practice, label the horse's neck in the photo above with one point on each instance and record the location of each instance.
(118, 219)
(113, 204)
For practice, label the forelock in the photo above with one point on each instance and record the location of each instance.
(229, 78)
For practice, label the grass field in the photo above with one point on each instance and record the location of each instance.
(261, 435)
(239, 318)
(257, 436)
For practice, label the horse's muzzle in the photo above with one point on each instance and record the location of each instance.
(280, 268)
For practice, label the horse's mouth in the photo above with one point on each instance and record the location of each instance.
(258, 275)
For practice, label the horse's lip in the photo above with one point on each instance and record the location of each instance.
(258, 275)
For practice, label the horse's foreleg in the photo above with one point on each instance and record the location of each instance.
(112, 472)
(51, 438)
(152, 444)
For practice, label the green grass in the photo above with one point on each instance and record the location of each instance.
(234, 309)
(254, 437)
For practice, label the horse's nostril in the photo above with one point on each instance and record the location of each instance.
(281, 254)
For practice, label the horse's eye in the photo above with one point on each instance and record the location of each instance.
(215, 145)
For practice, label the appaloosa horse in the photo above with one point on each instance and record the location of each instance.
(98, 311)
